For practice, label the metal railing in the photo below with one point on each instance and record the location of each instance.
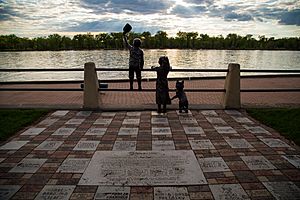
(135, 90)
(231, 91)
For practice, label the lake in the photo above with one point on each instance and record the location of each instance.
(202, 59)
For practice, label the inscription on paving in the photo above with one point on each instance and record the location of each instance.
(28, 165)
(13, 145)
(238, 143)
(33, 131)
(102, 121)
(214, 164)
(143, 168)
(73, 165)
(75, 121)
(225, 129)
(84, 113)
(124, 146)
(48, 122)
(209, 113)
(193, 130)
(187, 120)
(133, 114)
(242, 120)
(162, 145)
(283, 190)
(108, 114)
(215, 120)
(96, 131)
(171, 193)
(128, 131)
(57, 192)
(49, 145)
(86, 145)
(64, 131)
(131, 121)
(201, 144)
(159, 120)
(112, 193)
(256, 130)
(228, 191)
(60, 113)
(161, 131)
(293, 159)
(271, 142)
(257, 162)
(7, 191)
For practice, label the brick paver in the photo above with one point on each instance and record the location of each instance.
(239, 157)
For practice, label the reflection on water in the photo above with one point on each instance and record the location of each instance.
(202, 59)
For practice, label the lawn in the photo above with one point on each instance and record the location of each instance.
(285, 120)
(13, 120)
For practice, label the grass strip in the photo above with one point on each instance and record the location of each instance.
(13, 120)
(285, 120)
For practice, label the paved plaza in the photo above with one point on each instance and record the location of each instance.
(141, 155)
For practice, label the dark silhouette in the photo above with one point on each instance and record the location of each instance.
(180, 94)
(136, 58)
(162, 88)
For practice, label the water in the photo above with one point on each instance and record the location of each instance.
(202, 59)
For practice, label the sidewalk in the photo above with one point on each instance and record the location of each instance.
(146, 100)
(206, 154)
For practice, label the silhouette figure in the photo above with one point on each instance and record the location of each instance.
(180, 94)
(162, 88)
(136, 58)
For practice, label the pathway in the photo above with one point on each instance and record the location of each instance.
(206, 154)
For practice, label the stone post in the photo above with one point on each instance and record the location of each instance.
(91, 95)
(232, 97)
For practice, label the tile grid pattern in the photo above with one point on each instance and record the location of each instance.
(240, 158)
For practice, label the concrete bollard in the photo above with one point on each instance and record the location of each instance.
(232, 96)
(91, 97)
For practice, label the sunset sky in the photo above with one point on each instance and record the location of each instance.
(32, 18)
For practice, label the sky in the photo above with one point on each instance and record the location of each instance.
(35, 18)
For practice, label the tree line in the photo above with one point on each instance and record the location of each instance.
(182, 40)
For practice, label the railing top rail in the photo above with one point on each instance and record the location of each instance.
(41, 69)
(271, 70)
(126, 69)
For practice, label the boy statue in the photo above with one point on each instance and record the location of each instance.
(136, 60)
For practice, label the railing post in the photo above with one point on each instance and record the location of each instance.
(232, 96)
(91, 95)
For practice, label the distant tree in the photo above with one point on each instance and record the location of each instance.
(117, 39)
(54, 42)
(182, 40)
(161, 39)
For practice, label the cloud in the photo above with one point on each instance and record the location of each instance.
(112, 25)
(207, 2)
(37, 17)
(188, 11)
(239, 17)
(7, 12)
(291, 18)
(122, 6)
